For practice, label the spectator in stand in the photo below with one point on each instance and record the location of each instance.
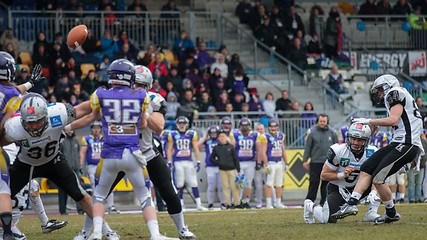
(72, 5)
(284, 5)
(244, 11)
(384, 7)
(148, 56)
(23, 77)
(9, 48)
(171, 88)
(245, 108)
(283, 103)
(41, 39)
(315, 12)
(222, 101)
(159, 63)
(174, 78)
(137, 3)
(314, 48)
(204, 102)
(61, 88)
(214, 77)
(41, 56)
(125, 53)
(65, 51)
(108, 45)
(172, 106)
(402, 7)
(229, 108)
(183, 45)
(103, 3)
(224, 51)
(72, 66)
(254, 104)
(184, 67)
(418, 33)
(333, 32)
(335, 80)
(195, 78)
(237, 101)
(293, 22)
(170, 11)
(52, 98)
(90, 49)
(157, 89)
(110, 17)
(235, 70)
(300, 36)
(219, 87)
(188, 100)
(368, 8)
(123, 38)
(103, 67)
(90, 83)
(421, 107)
(56, 63)
(47, 5)
(277, 18)
(266, 32)
(221, 65)
(202, 88)
(258, 17)
(309, 116)
(204, 59)
(269, 105)
(187, 85)
(298, 54)
(7, 37)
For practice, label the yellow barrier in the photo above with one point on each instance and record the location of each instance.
(296, 176)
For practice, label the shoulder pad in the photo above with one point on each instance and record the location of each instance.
(395, 96)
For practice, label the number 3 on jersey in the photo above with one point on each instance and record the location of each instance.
(122, 111)
(37, 152)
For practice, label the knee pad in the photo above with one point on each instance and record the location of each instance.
(147, 202)
(35, 187)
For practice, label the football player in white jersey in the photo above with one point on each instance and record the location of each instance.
(341, 169)
(38, 132)
(405, 118)
(19, 202)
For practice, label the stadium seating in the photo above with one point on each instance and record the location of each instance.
(26, 58)
(85, 68)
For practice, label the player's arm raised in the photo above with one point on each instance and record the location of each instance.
(85, 120)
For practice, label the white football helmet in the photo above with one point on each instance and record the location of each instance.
(359, 131)
(143, 76)
(34, 115)
(385, 83)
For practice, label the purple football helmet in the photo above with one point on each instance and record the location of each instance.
(213, 131)
(7, 66)
(245, 124)
(273, 125)
(121, 72)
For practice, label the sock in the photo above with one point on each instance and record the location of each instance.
(278, 201)
(246, 200)
(16, 230)
(268, 202)
(178, 219)
(6, 220)
(388, 204)
(37, 205)
(389, 208)
(87, 225)
(97, 225)
(153, 227)
(198, 202)
(106, 228)
(374, 206)
(181, 193)
(402, 196)
(195, 192)
(354, 199)
(318, 214)
(393, 195)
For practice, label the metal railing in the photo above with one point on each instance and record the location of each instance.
(142, 28)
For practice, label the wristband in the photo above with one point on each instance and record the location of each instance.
(28, 86)
(341, 175)
(68, 128)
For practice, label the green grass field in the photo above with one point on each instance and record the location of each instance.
(251, 224)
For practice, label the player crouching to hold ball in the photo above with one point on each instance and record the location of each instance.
(342, 168)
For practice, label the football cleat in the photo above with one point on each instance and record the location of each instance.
(82, 235)
(201, 208)
(53, 225)
(210, 206)
(386, 219)
(246, 205)
(186, 234)
(112, 235)
(19, 236)
(223, 207)
(370, 216)
(345, 211)
(308, 215)
(113, 210)
(95, 236)
(280, 205)
(258, 206)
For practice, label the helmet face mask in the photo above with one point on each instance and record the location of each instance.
(34, 117)
(7, 67)
(182, 124)
(358, 136)
(273, 126)
(226, 123)
(96, 128)
(213, 132)
(382, 85)
(245, 125)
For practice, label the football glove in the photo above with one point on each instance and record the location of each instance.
(267, 170)
(364, 121)
(140, 157)
(36, 75)
(258, 166)
(158, 103)
(170, 166)
(197, 166)
(285, 167)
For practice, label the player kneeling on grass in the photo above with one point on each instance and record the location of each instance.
(342, 168)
